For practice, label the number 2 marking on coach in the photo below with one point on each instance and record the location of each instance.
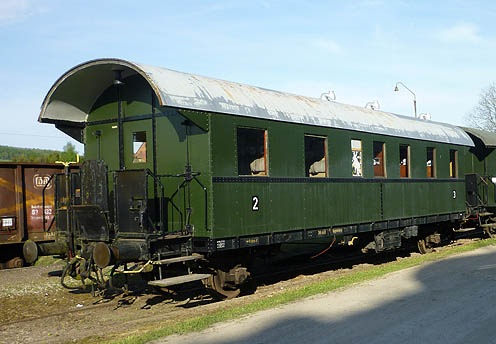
(254, 201)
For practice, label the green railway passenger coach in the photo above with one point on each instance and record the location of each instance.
(185, 168)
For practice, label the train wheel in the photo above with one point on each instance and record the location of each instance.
(489, 230)
(30, 251)
(423, 247)
(16, 262)
(490, 233)
(219, 288)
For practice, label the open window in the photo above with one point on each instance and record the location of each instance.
(315, 156)
(356, 158)
(139, 146)
(431, 162)
(453, 163)
(252, 152)
(404, 161)
(379, 159)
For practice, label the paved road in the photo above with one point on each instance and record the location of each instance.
(449, 301)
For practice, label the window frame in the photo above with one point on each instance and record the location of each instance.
(433, 162)
(265, 154)
(145, 143)
(360, 155)
(453, 171)
(382, 161)
(408, 160)
(307, 173)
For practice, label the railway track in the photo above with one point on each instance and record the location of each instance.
(303, 264)
(195, 294)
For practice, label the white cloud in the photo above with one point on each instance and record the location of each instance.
(464, 33)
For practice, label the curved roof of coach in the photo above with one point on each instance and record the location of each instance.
(488, 138)
(71, 97)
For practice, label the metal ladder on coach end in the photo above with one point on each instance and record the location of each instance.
(176, 280)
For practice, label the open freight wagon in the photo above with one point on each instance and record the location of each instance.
(22, 185)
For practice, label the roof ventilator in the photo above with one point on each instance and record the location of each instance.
(425, 116)
(373, 105)
(331, 96)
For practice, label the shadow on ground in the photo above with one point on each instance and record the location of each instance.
(449, 301)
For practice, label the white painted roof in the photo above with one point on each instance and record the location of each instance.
(72, 96)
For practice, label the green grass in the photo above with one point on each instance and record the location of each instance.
(48, 260)
(199, 323)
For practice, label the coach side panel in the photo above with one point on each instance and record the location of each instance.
(284, 197)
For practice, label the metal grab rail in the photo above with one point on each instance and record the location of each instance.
(483, 184)
(157, 181)
(206, 202)
(188, 176)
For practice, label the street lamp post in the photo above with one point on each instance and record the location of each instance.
(414, 96)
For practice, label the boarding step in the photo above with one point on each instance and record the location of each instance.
(486, 214)
(178, 259)
(167, 282)
(463, 230)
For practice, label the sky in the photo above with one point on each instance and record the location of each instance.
(443, 51)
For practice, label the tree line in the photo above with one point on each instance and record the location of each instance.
(8, 153)
(483, 115)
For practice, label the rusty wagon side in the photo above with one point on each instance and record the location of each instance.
(21, 207)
